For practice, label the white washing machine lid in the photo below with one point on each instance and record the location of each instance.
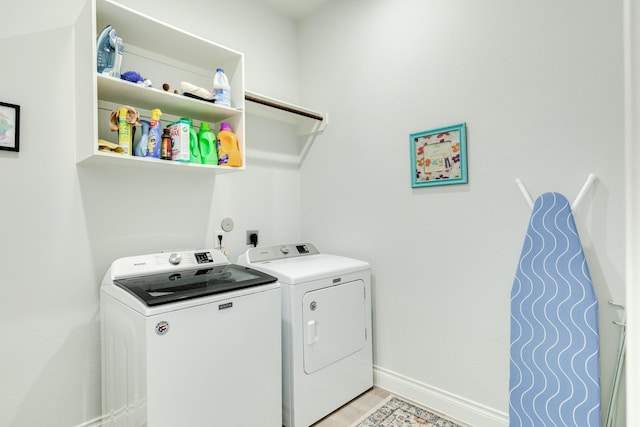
(299, 263)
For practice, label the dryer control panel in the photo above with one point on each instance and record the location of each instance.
(270, 253)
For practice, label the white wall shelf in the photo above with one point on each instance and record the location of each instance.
(308, 121)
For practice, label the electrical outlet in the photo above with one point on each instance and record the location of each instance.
(249, 233)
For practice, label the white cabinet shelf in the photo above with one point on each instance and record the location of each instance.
(163, 54)
(123, 92)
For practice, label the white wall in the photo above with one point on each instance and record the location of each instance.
(63, 225)
(540, 87)
(632, 73)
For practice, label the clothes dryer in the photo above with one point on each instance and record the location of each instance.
(326, 328)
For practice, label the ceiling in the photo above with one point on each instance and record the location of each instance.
(296, 9)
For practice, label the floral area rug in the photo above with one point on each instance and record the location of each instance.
(395, 412)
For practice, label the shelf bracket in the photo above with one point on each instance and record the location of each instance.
(289, 108)
(309, 123)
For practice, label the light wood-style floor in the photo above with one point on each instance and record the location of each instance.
(352, 411)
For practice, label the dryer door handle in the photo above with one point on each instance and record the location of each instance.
(312, 332)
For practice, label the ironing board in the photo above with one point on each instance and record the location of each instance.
(554, 368)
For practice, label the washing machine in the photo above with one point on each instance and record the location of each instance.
(189, 339)
(326, 328)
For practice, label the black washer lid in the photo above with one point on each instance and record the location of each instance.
(165, 288)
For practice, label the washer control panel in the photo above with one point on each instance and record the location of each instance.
(166, 261)
(270, 253)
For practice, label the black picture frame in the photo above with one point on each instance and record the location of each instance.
(9, 127)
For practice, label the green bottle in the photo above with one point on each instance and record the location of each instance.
(208, 145)
(194, 156)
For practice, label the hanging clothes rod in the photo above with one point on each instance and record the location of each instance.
(576, 203)
(288, 108)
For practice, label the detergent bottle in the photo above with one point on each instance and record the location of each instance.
(140, 149)
(228, 148)
(208, 145)
(194, 150)
(155, 134)
(124, 131)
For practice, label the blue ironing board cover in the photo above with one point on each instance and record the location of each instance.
(554, 368)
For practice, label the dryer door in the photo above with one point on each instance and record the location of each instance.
(334, 324)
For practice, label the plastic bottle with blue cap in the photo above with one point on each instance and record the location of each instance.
(221, 88)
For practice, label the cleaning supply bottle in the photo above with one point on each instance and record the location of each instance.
(221, 88)
(194, 150)
(228, 148)
(165, 147)
(180, 140)
(140, 149)
(155, 134)
(208, 145)
(124, 131)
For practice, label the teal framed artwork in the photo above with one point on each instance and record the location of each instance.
(439, 156)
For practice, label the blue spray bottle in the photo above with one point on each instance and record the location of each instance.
(155, 134)
(141, 146)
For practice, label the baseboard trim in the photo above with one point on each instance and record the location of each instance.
(455, 406)
(458, 407)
